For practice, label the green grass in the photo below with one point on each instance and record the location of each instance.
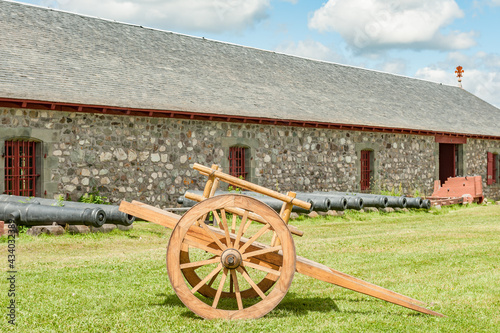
(117, 282)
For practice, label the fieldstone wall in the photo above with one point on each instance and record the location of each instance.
(150, 159)
(476, 160)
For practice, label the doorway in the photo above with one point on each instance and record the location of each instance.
(449, 161)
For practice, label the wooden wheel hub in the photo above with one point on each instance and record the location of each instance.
(231, 258)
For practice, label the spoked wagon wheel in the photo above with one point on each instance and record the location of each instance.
(231, 259)
(207, 289)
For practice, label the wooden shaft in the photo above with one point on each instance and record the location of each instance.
(239, 211)
(210, 182)
(285, 212)
(250, 186)
(324, 273)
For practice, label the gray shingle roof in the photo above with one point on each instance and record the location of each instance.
(56, 56)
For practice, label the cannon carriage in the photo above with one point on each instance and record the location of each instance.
(243, 268)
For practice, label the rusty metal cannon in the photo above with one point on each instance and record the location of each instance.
(243, 268)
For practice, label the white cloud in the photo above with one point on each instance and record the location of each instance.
(372, 24)
(210, 16)
(394, 66)
(481, 74)
(309, 49)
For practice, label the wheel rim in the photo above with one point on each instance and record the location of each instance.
(236, 260)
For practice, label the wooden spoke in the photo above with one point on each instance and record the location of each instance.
(212, 280)
(208, 277)
(274, 239)
(234, 278)
(217, 218)
(197, 264)
(219, 290)
(247, 225)
(259, 252)
(233, 226)
(262, 231)
(214, 236)
(261, 268)
(226, 229)
(231, 284)
(240, 230)
(250, 281)
(202, 247)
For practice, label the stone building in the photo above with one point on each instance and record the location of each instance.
(89, 103)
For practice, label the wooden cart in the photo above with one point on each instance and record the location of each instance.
(224, 272)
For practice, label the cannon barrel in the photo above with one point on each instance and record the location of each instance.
(113, 215)
(31, 214)
(319, 203)
(375, 201)
(356, 203)
(271, 202)
(392, 201)
(338, 203)
(426, 203)
(414, 202)
(396, 202)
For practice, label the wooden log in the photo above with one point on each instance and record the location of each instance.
(250, 186)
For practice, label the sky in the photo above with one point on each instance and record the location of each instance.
(424, 39)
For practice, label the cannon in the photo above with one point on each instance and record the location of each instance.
(392, 201)
(271, 202)
(113, 214)
(244, 267)
(426, 204)
(396, 202)
(31, 214)
(414, 202)
(319, 203)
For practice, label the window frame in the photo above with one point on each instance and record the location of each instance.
(366, 169)
(21, 167)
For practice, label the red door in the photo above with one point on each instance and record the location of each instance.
(446, 161)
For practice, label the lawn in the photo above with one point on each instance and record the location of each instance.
(117, 282)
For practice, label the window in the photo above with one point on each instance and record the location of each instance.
(20, 168)
(366, 169)
(237, 162)
(492, 172)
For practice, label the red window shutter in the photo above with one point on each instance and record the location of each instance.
(490, 177)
